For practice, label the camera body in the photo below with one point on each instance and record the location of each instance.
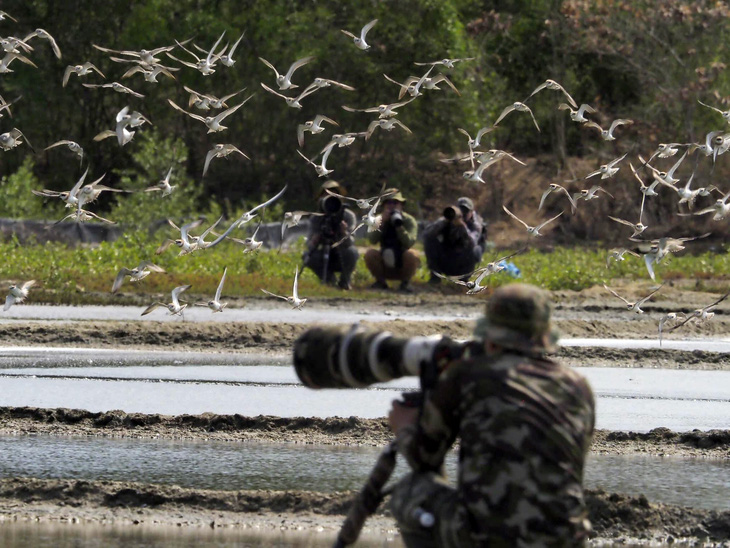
(333, 210)
(396, 217)
(331, 358)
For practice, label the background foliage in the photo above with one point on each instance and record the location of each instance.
(648, 61)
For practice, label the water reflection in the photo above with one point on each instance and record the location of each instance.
(240, 466)
(23, 535)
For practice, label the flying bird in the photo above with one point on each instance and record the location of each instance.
(140, 272)
(294, 300)
(174, 307)
(634, 306)
(314, 126)
(360, 40)
(216, 305)
(163, 185)
(553, 85)
(80, 70)
(607, 134)
(17, 294)
(220, 151)
(531, 230)
(284, 80)
(519, 107)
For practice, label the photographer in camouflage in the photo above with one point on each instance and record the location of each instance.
(336, 225)
(454, 244)
(525, 424)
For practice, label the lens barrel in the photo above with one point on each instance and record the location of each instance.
(331, 358)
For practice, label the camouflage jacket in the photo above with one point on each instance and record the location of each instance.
(525, 426)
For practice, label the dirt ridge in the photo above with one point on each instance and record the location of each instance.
(612, 515)
(310, 430)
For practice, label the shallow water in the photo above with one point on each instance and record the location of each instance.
(241, 466)
(258, 311)
(627, 399)
(24, 535)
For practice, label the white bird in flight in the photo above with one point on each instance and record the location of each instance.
(80, 70)
(227, 58)
(553, 85)
(634, 306)
(294, 300)
(216, 305)
(314, 126)
(13, 138)
(519, 107)
(554, 187)
(607, 170)
(140, 272)
(320, 168)
(17, 294)
(213, 123)
(293, 102)
(607, 134)
(531, 230)
(360, 40)
(163, 185)
(578, 115)
(40, 33)
(284, 80)
(174, 307)
(448, 63)
(220, 151)
(73, 146)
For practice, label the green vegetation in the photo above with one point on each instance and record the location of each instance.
(85, 274)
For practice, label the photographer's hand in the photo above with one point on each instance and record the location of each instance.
(401, 416)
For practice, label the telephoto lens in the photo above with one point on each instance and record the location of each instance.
(331, 358)
(396, 217)
(451, 213)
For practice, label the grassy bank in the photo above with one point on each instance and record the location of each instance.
(85, 274)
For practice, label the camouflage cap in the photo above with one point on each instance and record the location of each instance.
(518, 318)
(395, 194)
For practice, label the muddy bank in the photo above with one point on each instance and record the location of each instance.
(329, 431)
(279, 337)
(613, 515)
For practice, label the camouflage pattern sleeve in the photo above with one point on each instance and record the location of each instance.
(425, 444)
(525, 424)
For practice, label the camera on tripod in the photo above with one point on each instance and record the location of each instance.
(332, 358)
(332, 208)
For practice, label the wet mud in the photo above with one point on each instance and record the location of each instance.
(586, 314)
(613, 516)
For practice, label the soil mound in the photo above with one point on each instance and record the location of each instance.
(613, 515)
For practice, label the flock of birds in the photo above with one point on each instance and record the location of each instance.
(214, 111)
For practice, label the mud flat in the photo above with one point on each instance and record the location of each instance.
(616, 518)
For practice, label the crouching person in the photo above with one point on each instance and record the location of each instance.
(334, 226)
(395, 260)
(454, 244)
(525, 424)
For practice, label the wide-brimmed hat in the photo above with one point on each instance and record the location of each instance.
(518, 318)
(332, 186)
(394, 194)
